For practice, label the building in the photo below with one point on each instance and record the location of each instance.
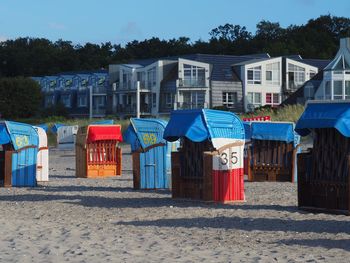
(155, 87)
(336, 77)
(237, 83)
(332, 83)
(81, 93)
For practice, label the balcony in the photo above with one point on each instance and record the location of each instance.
(192, 82)
(145, 109)
(191, 106)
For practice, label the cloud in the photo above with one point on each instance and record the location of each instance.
(56, 26)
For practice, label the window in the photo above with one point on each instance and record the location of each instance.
(254, 75)
(126, 80)
(100, 101)
(273, 73)
(154, 100)
(194, 76)
(82, 100)
(84, 83)
(169, 100)
(272, 99)
(254, 100)
(327, 90)
(151, 77)
(309, 92)
(347, 90)
(337, 90)
(141, 76)
(229, 99)
(296, 76)
(65, 99)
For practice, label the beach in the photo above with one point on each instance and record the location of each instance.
(105, 220)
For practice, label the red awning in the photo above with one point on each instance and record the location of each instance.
(104, 133)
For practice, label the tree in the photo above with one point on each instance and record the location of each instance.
(19, 97)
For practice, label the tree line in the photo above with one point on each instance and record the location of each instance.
(318, 38)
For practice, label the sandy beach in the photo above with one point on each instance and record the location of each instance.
(105, 220)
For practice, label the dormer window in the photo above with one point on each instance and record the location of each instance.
(254, 75)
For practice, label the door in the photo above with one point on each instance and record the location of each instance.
(24, 167)
(152, 165)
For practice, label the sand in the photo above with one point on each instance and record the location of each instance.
(105, 220)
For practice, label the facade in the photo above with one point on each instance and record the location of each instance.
(194, 81)
(336, 77)
(75, 91)
(332, 83)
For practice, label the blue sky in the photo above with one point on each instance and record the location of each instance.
(117, 21)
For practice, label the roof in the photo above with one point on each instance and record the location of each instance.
(325, 115)
(222, 64)
(251, 61)
(318, 63)
(143, 133)
(273, 131)
(204, 124)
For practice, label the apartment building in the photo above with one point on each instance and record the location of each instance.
(237, 83)
(81, 93)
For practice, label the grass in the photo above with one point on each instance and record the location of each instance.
(290, 113)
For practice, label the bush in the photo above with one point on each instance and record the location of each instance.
(57, 110)
(19, 97)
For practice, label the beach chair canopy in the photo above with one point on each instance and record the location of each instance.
(103, 133)
(55, 127)
(20, 135)
(247, 129)
(273, 131)
(202, 124)
(325, 115)
(143, 133)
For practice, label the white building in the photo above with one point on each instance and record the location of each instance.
(336, 77)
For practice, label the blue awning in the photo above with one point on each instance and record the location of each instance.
(325, 115)
(273, 131)
(200, 125)
(4, 135)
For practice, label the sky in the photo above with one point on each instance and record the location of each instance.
(99, 21)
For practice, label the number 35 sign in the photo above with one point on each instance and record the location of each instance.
(229, 158)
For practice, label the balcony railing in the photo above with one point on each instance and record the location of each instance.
(293, 86)
(192, 82)
(131, 109)
(190, 106)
